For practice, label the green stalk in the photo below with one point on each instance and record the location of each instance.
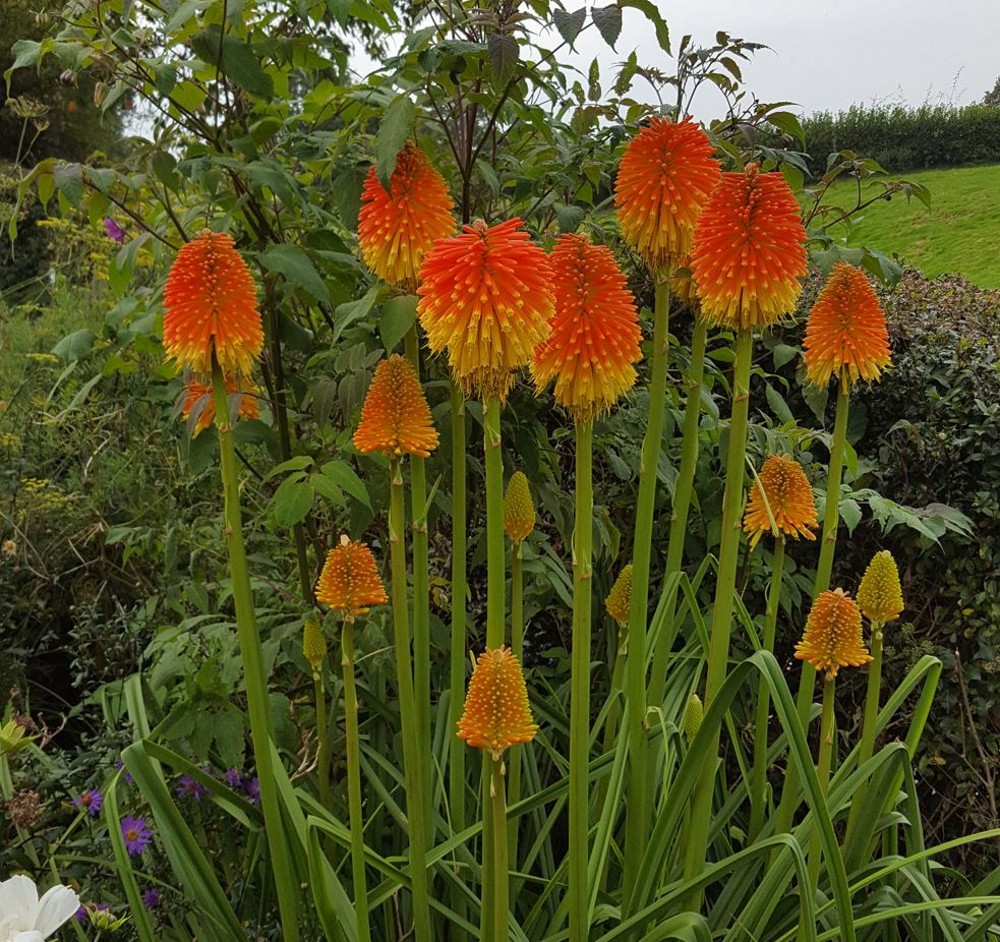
(322, 740)
(501, 864)
(413, 761)
(459, 643)
(354, 782)
(517, 647)
(421, 591)
(828, 543)
(579, 721)
(758, 778)
(638, 791)
(826, 736)
(682, 504)
(496, 576)
(867, 747)
(722, 611)
(258, 701)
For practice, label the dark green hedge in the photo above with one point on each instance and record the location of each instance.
(903, 139)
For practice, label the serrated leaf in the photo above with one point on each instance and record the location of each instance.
(504, 53)
(608, 21)
(393, 130)
(292, 501)
(290, 261)
(398, 316)
(569, 24)
(652, 13)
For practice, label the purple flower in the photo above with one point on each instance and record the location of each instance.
(251, 788)
(82, 914)
(113, 230)
(128, 775)
(234, 778)
(188, 787)
(151, 898)
(136, 834)
(91, 800)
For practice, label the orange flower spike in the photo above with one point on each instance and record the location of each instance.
(497, 714)
(595, 332)
(749, 250)
(349, 582)
(846, 333)
(784, 489)
(486, 297)
(200, 399)
(832, 637)
(395, 417)
(210, 306)
(396, 229)
(665, 176)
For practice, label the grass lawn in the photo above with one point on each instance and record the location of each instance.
(959, 233)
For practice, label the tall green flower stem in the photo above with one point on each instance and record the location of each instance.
(322, 739)
(255, 678)
(867, 747)
(413, 761)
(828, 544)
(421, 589)
(517, 647)
(638, 788)
(758, 777)
(354, 781)
(459, 590)
(496, 602)
(722, 611)
(501, 863)
(579, 716)
(682, 504)
(826, 737)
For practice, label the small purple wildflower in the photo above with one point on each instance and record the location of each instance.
(151, 898)
(188, 787)
(234, 778)
(113, 230)
(128, 775)
(82, 914)
(251, 788)
(91, 800)
(136, 834)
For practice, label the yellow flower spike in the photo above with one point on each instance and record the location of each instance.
(619, 599)
(832, 637)
(210, 307)
(518, 508)
(496, 714)
(880, 595)
(782, 488)
(396, 229)
(349, 582)
(395, 417)
(313, 643)
(694, 713)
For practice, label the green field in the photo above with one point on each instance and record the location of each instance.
(959, 233)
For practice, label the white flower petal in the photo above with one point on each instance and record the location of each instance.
(30, 936)
(18, 902)
(56, 906)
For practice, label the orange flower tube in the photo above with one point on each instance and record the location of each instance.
(783, 489)
(832, 637)
(395, 417)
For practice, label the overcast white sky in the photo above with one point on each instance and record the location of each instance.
(828, 55)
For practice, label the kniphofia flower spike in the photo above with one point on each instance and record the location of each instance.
(595, 331)
(486, 297)
(210, 308)
(349, 582)
(518, 508)
(395, 417)
(496, 714)
(749, 250)
(666, 174)
(619, 600)
(880, 595)
(832, 637)
(396, 229)
(782, 488)
(846, 333)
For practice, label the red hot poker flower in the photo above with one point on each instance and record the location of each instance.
(395, 417)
